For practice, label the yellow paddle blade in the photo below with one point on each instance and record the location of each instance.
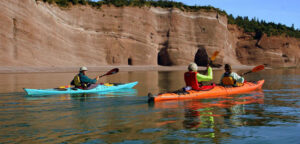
(258, 68)
(66, 86)
(108, 84)
(213, 57)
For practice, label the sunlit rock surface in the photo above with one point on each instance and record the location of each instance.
(38, 34)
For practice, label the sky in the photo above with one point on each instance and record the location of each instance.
(286, 12)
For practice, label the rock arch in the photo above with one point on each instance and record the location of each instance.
(163, 58)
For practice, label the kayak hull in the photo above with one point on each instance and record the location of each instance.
(215, 92)
(99, 88)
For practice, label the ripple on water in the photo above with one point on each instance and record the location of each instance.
(263, 134)
(195, 138)
(134, 142)
(94, 141)
(282, 90)
(150, 130)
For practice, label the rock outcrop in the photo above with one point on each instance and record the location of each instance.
(277, 51)
(34, 33)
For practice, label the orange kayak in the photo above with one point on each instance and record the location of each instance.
(213, 93)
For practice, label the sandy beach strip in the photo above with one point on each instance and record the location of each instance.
(35, 69)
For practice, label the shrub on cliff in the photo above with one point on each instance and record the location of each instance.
(261, 27)
(66, 3)
(139, 3)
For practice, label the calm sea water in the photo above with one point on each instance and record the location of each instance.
(269, 116)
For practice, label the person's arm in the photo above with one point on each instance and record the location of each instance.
(207, 77)
(86, 79)
(237, 78)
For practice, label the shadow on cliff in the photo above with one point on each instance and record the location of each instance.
(163, 58)
(202, 59)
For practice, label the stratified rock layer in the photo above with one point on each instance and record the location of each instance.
(38, 34)
(278, 51)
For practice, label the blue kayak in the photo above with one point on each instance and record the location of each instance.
(99, 88)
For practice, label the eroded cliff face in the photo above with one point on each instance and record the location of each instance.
(277, 51)
(37, 34)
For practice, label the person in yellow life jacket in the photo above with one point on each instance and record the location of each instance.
(193, 79)
(82, 81)
(230, 78)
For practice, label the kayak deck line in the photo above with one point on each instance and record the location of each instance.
(99, 88)
(214, 92)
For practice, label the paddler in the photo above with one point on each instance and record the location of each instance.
(82, 81)
(193, 79)
(230, 78)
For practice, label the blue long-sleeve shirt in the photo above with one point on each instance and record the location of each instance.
(86, 79)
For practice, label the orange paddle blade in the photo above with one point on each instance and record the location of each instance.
(258, 68)
(213, 57)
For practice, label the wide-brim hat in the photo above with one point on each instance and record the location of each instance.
(83, 69)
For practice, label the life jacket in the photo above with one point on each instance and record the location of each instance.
(77, 82)
(229, 81)
(190, 79)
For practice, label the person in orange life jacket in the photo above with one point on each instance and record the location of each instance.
(193, 79)
(82, 81)
(230, 78)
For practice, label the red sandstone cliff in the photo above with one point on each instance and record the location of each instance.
(276, 51)
(37, 34)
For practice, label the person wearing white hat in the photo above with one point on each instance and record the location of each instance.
(82, 81)
(193, 79)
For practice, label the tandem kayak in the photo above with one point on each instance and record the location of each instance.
(99, 88)
(212, 93)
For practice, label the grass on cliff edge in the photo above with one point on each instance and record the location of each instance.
(138, 3)
(258, 27)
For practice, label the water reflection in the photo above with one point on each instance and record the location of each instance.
(126, 116)
(121, 92)
(212, 114)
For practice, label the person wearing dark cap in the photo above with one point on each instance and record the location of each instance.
(230, 78)
(82, 81)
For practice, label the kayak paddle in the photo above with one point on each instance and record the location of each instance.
(213, 57)
(255, 69)
(113, 71)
